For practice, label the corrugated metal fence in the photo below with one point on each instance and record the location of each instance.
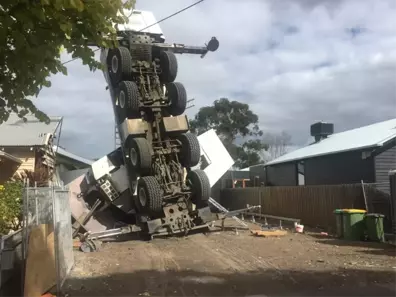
(314, 205)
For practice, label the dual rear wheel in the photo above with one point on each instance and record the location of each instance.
(149, 199)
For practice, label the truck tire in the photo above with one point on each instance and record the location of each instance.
(169, 67)
(128, 99)
(119, 64)
(140, 156)
(190, 153)
(177, 96)
(149, 195)
(200, 186)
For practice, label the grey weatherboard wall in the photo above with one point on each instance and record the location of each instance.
(341, 168)
(383, 163)
(257, 171)
(281, 175)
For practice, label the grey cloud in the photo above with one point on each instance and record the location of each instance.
(313, 71)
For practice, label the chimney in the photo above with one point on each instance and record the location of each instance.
(321, 130)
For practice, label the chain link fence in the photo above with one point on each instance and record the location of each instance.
(50, 205)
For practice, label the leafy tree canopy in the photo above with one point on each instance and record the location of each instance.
(249, 153)
(229, 118)
(232, 120)
(32, 34)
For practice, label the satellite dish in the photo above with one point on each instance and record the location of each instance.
(213, 45)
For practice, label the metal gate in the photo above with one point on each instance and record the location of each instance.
(50, 205)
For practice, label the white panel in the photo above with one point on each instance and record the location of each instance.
(119, 178)
(101, 167)
(217, 156)
(139, 20)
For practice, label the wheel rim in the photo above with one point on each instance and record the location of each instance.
(122, 99)
(134, 157)
(114, 64)
(142, 197)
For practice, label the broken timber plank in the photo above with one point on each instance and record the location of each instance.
(269, 233)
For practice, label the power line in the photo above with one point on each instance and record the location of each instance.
(172, 15)
(160, 21)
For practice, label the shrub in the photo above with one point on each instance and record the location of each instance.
(10, 206)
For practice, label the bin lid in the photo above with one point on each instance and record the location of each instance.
(338, 211)
(375, 215)
(352, 210)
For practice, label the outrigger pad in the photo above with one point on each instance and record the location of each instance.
(131, 128)
(178, 124)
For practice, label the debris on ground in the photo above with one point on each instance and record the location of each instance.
(220, 263)
(269, 233)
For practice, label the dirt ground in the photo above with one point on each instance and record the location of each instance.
(230, 264)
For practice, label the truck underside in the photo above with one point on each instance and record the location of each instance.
(152, 182)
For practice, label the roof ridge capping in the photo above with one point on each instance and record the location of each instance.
(372, 135)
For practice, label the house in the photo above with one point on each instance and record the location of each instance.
(27, 145)
(32, 146)
(367, 153)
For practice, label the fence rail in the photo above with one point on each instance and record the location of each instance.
(314, 205)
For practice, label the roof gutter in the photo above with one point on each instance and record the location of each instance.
(10, 157)
(324, 154)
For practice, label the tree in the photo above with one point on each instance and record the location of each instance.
(232, 121)
(32, 34)
(249, 153)
(278, 144)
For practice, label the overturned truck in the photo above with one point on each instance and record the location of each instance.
(153, 180)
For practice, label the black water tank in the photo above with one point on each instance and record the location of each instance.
(321, 130)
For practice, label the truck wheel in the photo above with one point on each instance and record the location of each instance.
(200, 186)
(190, 151)
(169, 66)
(140, 156)
(119, 64)
(128, 99)
(149, 196)
(177, 96)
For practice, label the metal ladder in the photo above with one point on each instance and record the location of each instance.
(221, 208)
(117, 139)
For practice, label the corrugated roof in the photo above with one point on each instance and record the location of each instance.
(68, 176)
(364, 137)
(15, 132)
(70, 155)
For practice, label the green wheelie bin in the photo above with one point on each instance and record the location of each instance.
(353, 224)
(338, 216)
(375, 227)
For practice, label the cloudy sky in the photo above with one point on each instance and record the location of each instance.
(293, 61)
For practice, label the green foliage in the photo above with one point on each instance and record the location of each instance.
(229, 118)
(32, 34)
(10, 206)
(249, 153)
(232, 120)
